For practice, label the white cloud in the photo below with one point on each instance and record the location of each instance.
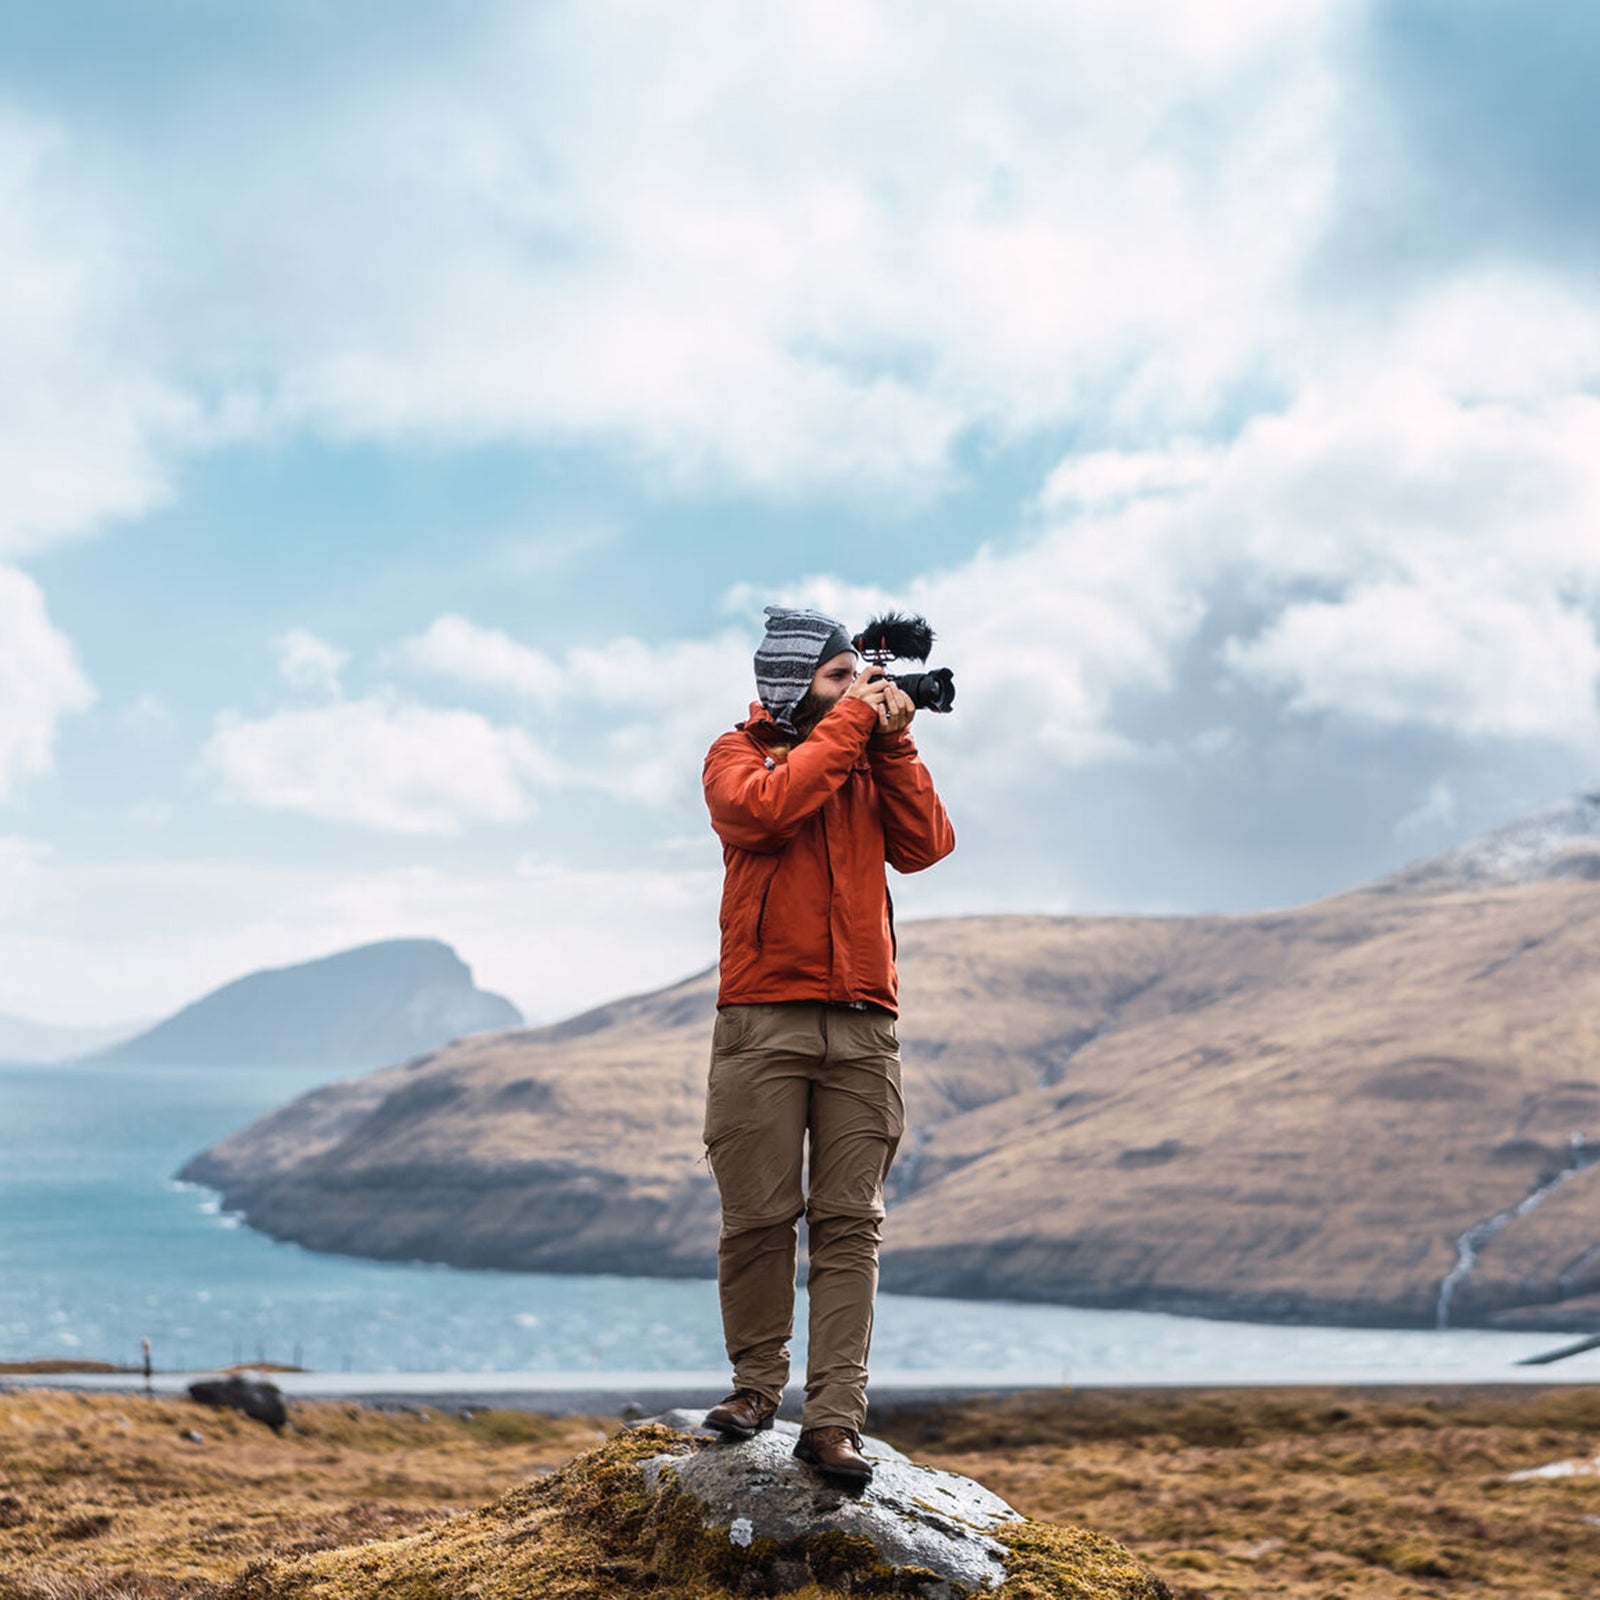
(1408, 537)
(782, 247)
(555, 937)
(629, 719)
(149, 719)
(97, 942)
(40, 681)
(457, 649)
(1042, 639)
(1104, 478)
(22, 865)
(1435, 810)
(308, 662)
(658, 708)
(636, 717)
(85, 418)
(742, 246)
(387, 765)
(1440, 512)
(1445, 655)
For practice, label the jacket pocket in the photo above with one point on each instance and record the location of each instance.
(761, 910)
(756, 893)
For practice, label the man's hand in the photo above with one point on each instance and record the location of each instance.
(872, 686)
(894, 706)
(898, 710)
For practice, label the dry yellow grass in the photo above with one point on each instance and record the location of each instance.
(1226, 1495)
(106, 1495)
(1307, 1494)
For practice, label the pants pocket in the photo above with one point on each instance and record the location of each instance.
(734, 1028)
(720, 1115)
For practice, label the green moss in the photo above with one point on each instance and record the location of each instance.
(1046, 1562)
(1193, 1560)
(1415, 1558)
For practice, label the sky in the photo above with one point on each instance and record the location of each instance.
(408, 409)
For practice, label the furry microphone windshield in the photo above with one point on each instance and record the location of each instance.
(894, 637)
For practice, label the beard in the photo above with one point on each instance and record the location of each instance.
(810, 712)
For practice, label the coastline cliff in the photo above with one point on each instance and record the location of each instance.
(1307, 1115)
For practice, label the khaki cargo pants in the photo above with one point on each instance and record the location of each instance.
(779, 1073)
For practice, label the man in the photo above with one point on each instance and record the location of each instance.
(811, 796)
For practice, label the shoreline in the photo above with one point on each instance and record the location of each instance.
(907, 1275)
(652, 1392)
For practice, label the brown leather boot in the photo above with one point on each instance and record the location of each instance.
(742, 1415)
(835, 1453)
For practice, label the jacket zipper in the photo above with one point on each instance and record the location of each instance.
(827, 856)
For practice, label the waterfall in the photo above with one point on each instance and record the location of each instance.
(1580, 1154)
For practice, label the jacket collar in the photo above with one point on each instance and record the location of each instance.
(760, 723)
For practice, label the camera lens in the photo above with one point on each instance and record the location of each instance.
(929, 691)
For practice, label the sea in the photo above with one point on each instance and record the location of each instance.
(102, 1248)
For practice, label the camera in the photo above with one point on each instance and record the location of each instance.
(893, 637)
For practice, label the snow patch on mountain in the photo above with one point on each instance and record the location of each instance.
(1556, 841)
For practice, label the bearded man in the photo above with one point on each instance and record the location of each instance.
(812, 796)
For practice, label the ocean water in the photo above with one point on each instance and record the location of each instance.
(100, 1248)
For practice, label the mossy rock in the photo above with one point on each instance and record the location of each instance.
(595, 1530)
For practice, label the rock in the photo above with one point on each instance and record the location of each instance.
(193, 1436)
(1588, 1467)
(255, 1397)
(694, 1422)
(921, 1524)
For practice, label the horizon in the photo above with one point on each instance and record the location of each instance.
(556, 1018)
(410, 416)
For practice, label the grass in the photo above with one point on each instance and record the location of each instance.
(591, 1532)
(110, 1496)
(1307, 1494)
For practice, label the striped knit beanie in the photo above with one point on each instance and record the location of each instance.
(795, 645)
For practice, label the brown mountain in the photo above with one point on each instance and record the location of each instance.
(1346, 1112)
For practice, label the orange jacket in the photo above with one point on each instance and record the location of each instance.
(805, 833)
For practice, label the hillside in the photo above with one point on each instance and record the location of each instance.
(1295, 1115)
(358, 1008)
